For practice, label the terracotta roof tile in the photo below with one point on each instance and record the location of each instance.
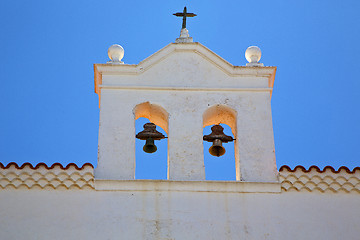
(316, 168)
(314, 179)
(27, 176)
(27, 164)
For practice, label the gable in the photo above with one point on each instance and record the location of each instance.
(186, 65)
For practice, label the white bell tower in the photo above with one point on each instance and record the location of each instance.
(182, 88)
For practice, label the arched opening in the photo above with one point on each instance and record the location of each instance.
(225, 167)
(154, 165)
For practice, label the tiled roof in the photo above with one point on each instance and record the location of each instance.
(314, 179)
(27, 176)
(13, 164)
(316, 168)
(299, 179)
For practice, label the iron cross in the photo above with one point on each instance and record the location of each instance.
(184, 14)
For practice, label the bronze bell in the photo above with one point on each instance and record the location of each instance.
(217, 137)
(149, 146)
(150, 134)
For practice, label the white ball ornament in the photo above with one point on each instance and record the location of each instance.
(116, 53)
(253, 54)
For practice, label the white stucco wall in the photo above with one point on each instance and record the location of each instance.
(68, 203)
(134, 215)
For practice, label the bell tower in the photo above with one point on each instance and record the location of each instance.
(183, 88)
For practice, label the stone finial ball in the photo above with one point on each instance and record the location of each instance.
(253, 54)
(116, 53)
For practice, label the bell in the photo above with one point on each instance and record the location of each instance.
(149, 146)
(217, 137)
(150, 134)
(217, 149)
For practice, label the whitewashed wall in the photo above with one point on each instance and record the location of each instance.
(134, 215)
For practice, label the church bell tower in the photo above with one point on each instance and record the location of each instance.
(182, 88)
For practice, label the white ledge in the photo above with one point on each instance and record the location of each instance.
(260, 89)
(187, 186)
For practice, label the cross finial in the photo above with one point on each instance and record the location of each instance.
(184, 14)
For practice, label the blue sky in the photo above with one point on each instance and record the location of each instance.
(47, 50)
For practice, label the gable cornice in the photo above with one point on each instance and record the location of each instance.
(197, 48)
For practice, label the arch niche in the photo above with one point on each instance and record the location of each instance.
(217, 114)
(155, 114)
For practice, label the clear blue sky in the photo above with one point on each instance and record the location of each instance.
(47, 50)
